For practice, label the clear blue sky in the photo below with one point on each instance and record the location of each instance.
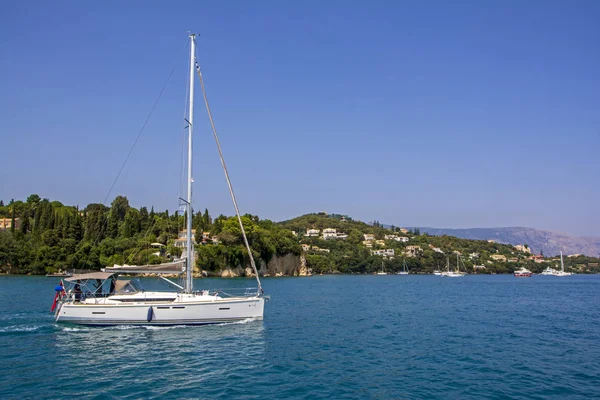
(423, 113)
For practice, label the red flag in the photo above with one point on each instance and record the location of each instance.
(54, 302)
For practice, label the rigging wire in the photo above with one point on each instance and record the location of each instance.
(237, 211)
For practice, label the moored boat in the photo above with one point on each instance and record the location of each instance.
(456, 273)
(522, 272)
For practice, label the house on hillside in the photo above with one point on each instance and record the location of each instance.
(369, 236)
(331, 233)
(6, 224)
(312, 233)
(436, 249)
(412, 251)
(383, 253)
(498, 257)
(181, 240)
(523, 248)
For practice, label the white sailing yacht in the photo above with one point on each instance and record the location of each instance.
(100, 298)
(456, 273)
(562, 268)
(382, 272)
(404, 269)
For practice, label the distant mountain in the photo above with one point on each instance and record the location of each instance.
(548, 242)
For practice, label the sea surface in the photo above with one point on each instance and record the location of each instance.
(323, 337)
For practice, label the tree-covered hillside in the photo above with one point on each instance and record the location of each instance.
(47, 236)
(422, 253)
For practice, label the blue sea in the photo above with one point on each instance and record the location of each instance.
(323, 337)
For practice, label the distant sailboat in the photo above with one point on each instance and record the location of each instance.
(382, 272)
(404, 269)
(562, 268)
(453, 274)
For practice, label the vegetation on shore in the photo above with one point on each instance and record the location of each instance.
(51, 236)
(47, 236)
(351, 255)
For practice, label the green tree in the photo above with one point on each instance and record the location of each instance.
(132, 224)
(118, 210)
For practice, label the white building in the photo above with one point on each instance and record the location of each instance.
(181, 240)
(436, 249)
(312, 232)
(412, 251)
(521, 247)
(384, 252)
(369, 237)
(331, 233)
(498, 257)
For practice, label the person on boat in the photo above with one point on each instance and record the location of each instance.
(112, 286)
(77, 291)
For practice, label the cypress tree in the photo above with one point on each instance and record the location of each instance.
(12, 220)
(144, 218)
(207, 220)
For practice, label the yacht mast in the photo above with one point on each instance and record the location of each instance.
(562, 264)
(189, 284)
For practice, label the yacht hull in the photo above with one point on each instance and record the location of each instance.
(163, 313)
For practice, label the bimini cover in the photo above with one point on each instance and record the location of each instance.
(92, 275)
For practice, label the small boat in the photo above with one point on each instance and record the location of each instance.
(456, 273)
(522, 272)
(404, 270)
(60, 274)
(548, 271)
(562, 268)
(437, 272)
(554, 272)
(382, 272)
